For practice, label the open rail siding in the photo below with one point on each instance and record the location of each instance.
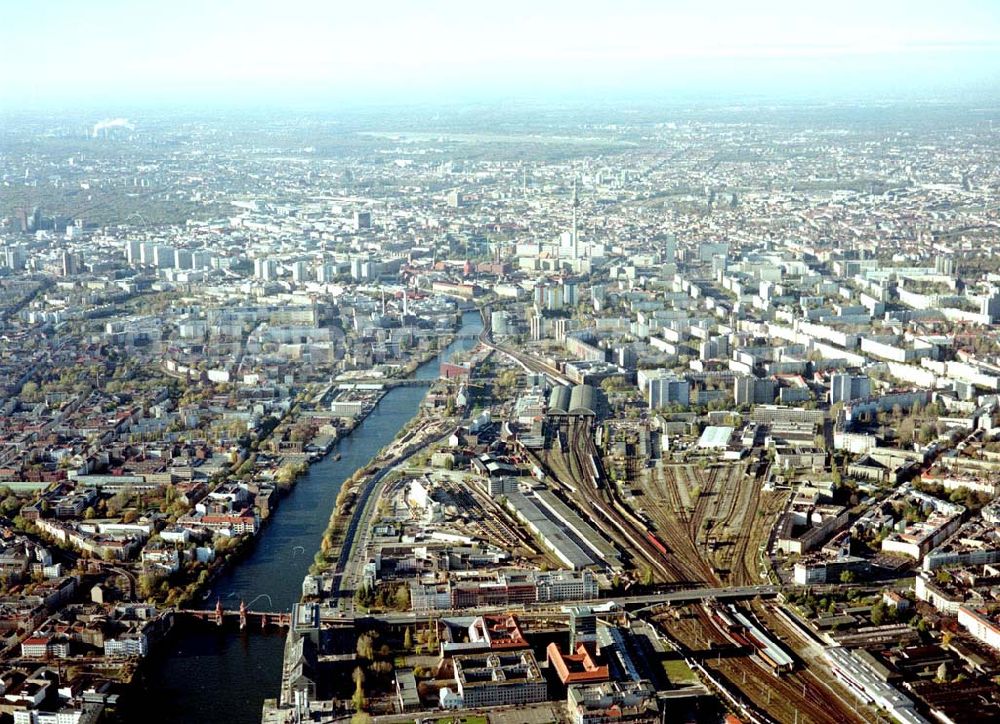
(768, 675)
(583, 458)
(642, 536)
(686, 566)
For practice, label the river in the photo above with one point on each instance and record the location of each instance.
(205, 675)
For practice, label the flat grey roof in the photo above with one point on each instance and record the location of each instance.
(715, 436)
(554, 532)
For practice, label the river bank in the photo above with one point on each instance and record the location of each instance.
(224, 675)
(202, 596)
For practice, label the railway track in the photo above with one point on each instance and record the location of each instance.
(673, 494)
(725, 499)
(572, 472)
(793, 697)
(599, 498)
(734, 531)
(797, 696)
(702, 502)
(676, 530)
(747, 544)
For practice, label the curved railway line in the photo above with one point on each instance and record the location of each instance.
(669, 545)
(676, 529)
(797, 696)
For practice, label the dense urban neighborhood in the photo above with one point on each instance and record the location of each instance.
(592, 415)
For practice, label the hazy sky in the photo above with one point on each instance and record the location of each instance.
(61, 51)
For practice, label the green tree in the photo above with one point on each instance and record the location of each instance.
(403, 598)
(366, 645)
(359, 689)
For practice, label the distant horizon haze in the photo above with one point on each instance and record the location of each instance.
(60, 53)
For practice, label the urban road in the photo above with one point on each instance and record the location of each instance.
(643, 602)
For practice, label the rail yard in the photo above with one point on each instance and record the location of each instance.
(698, 524)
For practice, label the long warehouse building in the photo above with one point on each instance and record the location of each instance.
(562, 531)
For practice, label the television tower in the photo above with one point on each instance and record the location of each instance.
(576, 205)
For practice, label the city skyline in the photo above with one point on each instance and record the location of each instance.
(565, 362)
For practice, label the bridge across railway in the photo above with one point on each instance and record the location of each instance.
(637, 604)
(693, 595)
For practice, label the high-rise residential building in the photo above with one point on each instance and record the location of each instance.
(163, 256)
(944, 265)
(626, 357)
(133, 253)
(990, 306)
(70, 264)
(668, 390)
(325, 273)
(554, 297)
(561, 328)
(265, 269)
(183, 259)
(549, 297)
(714, 348)
(537, 325)
(570, 295)
(670, 249)
(846, 387)
(362, 220)
(14, 258)
(201, 259)
(753, 391)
